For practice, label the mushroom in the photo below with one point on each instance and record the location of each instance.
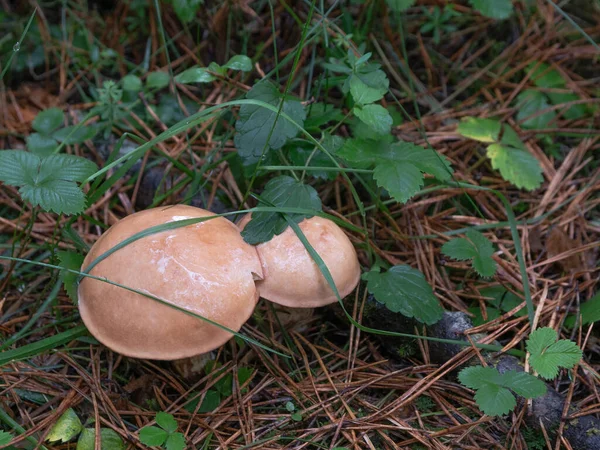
(205, 268)
(290, 275)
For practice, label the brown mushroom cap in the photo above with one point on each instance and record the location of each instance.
(206, 268)
(292, 278)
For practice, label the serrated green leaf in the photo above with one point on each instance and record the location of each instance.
(494, 9)
(495, 400)
(361, 152)
(255, 123)
(48, 120)
(400, 5)
(375, 117)
(590, 312)
(186, 9)
(401, 181)
(73, 261)
(524, 384)
(195, 75)
(132, 83)
(405, 290)
(476, 377)
(73, 135)
(239, 62)
(18, 167)
(368, 87)
(285, 192)
(40, 144)
(152, 436)
(157, 80)
(55, 195)
(517, 166)
(176, 441)
(166, 421)
(66, 427)
(460, 249)
(110, 440)
(484, 266)
(66, 168)
(544, 76)
(530, 102)
(482, 130)
(5, 437)
(320, 114)
(547, 355)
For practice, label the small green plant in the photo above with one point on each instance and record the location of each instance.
(164, 435)
(294, 414)
(506, 151)
(590, 312)
(400, 5)
(493, 389)
(547, 354)
(5, 437)
(437, 22)
(207, 74)
(475, 247)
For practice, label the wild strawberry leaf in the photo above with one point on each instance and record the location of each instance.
(73, 261)
(475, 247)
(530, 102)
(152, 436)
(404, 289)
(110, 440)
(259, 129)
(48, 120)
(66, 427)
(375, 117)
(547, 354)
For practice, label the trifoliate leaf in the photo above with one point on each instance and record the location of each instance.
(492, 388)
(195, 75)
(48, 120)
(166, 421)
(367, 87)
(239, 62)
(530, 102)
(482, 130)
(5, 437)
(132, 83)
(186, 9)
(47, 182)
(475, 247)
(284, 192)
(176, 441)
(157, 80)
(73, 261)
(153, 436)
(41, 144)
(405, 290)
(255, 123)
(494, 9)
(547, 354)
(109, 438)
(375, 117)
(73, 135)
(400, 5)
(66, 427)
(515, 164)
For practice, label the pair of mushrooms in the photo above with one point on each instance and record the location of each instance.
(208, 269)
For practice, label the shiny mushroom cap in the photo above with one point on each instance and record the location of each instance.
(205, 268)
(292, 278)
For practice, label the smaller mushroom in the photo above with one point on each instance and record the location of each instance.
(290, 275)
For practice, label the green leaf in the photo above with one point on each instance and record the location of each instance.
(285, 192)
(211, 401)
(186, 9)
(405, 290)
(166, 421)
(476, 247)
(176, 441)
(590, 312)
(66, 427)
(195, 75)
(73, 135)
(400, 5)
(109, 438)
(547, 355)
(368, 87)
(517, 166)
(255, 123)
(376, 117)
(48, 182)
(132, 83)
(48, 120)
(482, 130)
(530, 102)
(494, 9)
(40, 144)
(153, 436)
(73, 261)
(5, 437)
(239, 62)
(492, 388)
(544, 76)
(157, 80)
